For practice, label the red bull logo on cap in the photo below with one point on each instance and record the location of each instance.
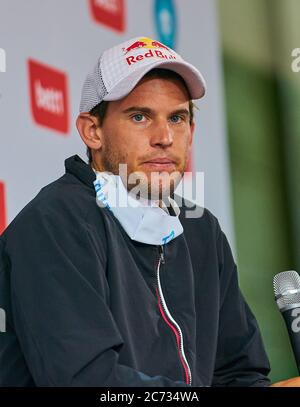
(155, 50)
(145, 43)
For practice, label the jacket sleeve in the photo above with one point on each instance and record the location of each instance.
(60, 297)
(241, 358)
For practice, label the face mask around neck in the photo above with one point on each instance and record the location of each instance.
(143, 221)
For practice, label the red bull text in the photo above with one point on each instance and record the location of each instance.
(150, 54)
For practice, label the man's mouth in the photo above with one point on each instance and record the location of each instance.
(160, 164)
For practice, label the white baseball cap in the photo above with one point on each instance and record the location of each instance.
(119, 69)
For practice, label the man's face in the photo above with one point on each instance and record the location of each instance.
(149, 130)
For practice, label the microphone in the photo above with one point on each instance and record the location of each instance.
(287, 296)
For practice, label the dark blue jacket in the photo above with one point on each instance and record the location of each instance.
(85, 306)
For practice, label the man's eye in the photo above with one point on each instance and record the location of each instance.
(138, 117)
(176, 119)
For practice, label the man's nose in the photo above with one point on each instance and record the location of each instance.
(161, 134)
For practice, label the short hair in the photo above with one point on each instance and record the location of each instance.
(100, 109)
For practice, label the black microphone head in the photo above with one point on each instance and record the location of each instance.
(287, 290)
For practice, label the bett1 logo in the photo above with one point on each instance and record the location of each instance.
(49, 96)
(110, 13)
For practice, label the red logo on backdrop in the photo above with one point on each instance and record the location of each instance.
(49, 96)
(111, 13)
(2, 208)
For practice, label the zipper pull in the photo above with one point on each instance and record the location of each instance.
(162, 256)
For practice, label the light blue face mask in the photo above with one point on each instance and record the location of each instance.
(143, 220)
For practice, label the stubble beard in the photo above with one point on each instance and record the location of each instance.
(152, 186)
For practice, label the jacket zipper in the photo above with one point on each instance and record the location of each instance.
(171, 321)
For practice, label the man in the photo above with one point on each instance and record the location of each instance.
(102, 294)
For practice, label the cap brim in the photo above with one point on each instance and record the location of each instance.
(192, 77)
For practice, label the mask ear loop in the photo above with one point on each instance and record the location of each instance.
(101, 199)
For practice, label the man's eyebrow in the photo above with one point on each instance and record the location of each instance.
(148, 110)
(181, 111)
(138, 109)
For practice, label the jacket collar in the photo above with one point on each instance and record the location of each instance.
(80, 169)
(76, 166)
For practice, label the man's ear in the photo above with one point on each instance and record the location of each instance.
(89, 130)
